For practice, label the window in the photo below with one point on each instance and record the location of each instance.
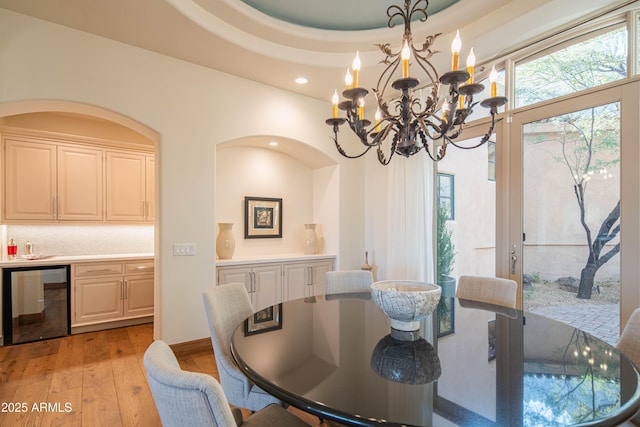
(446, 193)
(593, 60)
(491, 160)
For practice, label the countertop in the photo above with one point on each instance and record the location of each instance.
(262, 259)
(61, 260)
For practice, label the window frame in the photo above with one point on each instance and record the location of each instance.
(451, 196)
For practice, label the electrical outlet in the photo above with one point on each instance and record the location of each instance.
(184, 249)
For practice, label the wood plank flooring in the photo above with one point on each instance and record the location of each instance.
(91, 379)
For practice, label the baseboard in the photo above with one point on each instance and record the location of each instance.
(189, 347)
(80, 329)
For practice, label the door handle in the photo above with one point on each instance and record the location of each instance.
(252, 282)
(514, 259)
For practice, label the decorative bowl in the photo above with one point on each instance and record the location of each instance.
(405, 302)
(407, 362)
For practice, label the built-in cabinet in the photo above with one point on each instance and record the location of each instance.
(309, 274)
(263, 282)
(129, 186)
(111, 291)
(50, 180)
(273, 282)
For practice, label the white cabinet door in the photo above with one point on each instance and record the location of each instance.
(138, 295)
(235, 275)
(79, 184)
(296, 281)
(263, 282)
(125, 189)
(267, 288)
(150, 202)
(318, 271)
(30, 180)
(97, 300)
(305, 279)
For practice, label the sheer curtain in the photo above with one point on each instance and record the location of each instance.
(410, 216)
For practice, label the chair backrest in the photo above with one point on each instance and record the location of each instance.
(629, 343)
(227, 306)
(337, 282)
(492, 290)
(184, 398)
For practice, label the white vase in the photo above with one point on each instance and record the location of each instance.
(310, 239)
(225, 242)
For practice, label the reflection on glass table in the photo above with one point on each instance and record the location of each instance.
(337, 358)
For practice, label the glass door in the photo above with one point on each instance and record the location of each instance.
(564, 208)
(36, 303)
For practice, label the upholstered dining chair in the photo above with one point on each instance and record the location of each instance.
(629, 345)
(492, 290)
(186, 398)
(227, 306)
(348, 281)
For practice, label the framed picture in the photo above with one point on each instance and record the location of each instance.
(268, 319)
(262, 217)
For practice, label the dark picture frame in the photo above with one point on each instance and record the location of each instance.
(262, 217)
(446, 316)
(265, 320)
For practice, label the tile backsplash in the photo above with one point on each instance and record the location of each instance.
(70, 240)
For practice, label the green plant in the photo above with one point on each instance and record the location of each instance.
(445, 249)
(444, 265)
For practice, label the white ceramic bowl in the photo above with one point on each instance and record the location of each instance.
(405, 302)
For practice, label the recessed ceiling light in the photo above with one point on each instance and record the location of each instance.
(273, 143)
(301, 80)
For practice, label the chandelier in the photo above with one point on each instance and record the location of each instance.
(409, 122)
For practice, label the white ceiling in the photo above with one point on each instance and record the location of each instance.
(233, 37)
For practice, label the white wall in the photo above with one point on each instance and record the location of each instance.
(192, 109)
(258, 172)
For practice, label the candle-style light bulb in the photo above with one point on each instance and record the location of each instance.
(493, 78)
(471, 63)
(355, 66)
(445, 111)
(348, 80)
(456, 45)
(361, 108)
(378, 116)
(405, 54)
(334, 100)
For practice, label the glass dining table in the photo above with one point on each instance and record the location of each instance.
(335, 356)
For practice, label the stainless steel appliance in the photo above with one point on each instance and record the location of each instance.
(35, 303)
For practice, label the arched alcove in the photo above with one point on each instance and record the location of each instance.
(276, 167)
(77, 108)
(88, 123)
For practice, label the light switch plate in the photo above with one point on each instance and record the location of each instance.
(184, 249)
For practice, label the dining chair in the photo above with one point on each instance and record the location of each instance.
(186, 398)
(629, 345)
(227, 306)
(348, 281)
(492, 290)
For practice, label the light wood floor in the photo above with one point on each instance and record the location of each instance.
(92, 379)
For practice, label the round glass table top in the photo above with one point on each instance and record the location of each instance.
(471, 365)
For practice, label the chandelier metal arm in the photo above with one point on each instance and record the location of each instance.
(484, 138)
